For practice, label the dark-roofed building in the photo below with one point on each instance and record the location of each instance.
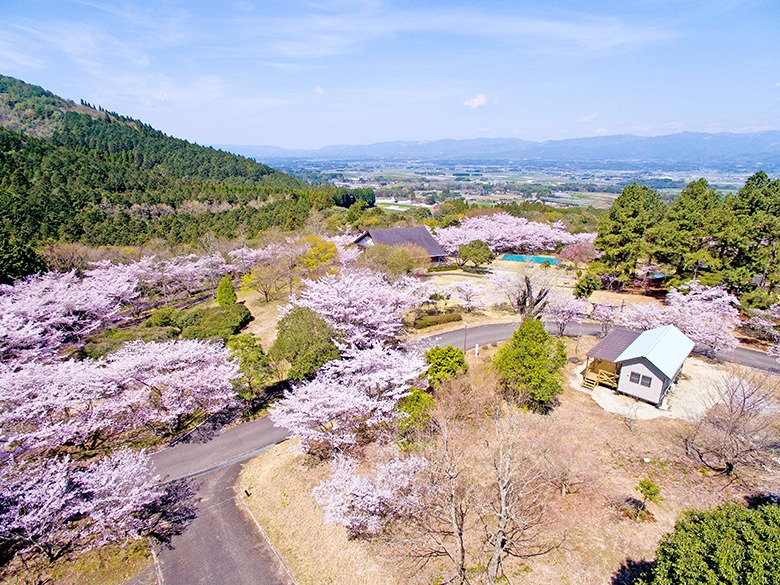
(640, 364)
(417, 235)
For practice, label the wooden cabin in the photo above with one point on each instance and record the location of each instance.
(641, 364)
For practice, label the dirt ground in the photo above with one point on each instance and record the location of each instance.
(266, 316)
(316, 553)
(606, 453)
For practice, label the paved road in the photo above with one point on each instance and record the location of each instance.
(221, 545)
(486, 334)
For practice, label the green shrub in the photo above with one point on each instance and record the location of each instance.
(757, 299)
(206, 323)
(431, 320)
(443, 267)
(163, 318)
(444, 362)
(586, 286)
(226, 292)
(730, 545)
(530, 366)
(111, 339)
(417, 407)
(305, 341)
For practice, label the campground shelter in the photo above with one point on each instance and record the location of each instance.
(417, 235)
(642, 364)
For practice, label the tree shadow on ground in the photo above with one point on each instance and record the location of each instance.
(630, 571)
(754, 501)
(247, 410)
(173, 512)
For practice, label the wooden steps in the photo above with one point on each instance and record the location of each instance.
(590, 380)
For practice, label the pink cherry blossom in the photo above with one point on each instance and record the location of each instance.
(363, 305)
(350, 400)
(503, 233)
(367, 503)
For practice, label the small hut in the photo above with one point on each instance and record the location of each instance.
(640, 364)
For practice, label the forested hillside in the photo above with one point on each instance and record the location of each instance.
(78, 174)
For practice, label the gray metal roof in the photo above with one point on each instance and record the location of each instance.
(613, 344)
(664, 347)
(417, 235)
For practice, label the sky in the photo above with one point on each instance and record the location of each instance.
(306, 74)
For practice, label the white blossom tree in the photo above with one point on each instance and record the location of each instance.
(468, 294)
(365, 504)
(707, 314)
(605, 315)
(363, 305)
(42, 313)
(350, 401)
(503, 232)
(525, 291)
(91, 403)
(56, 507)
(563, 309)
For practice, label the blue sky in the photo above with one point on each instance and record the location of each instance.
(305, 74)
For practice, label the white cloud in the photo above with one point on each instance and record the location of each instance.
(478, 101)
(319, 91)
(588, 118)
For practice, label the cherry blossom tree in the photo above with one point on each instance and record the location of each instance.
(56, 507)
(93, 402)
(180, 274)
(503, 232)
(707, 314)
(467, 293)
(606, 315)
(644, 316)
(350, 400)
(363, 305)
(563, 308)
(578, 252)
(366, 504)
(764, 322)
(42, 313)
(526, 291)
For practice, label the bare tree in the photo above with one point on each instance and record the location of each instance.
(438, 531)
(526, 290)
(512, 504)
(740, 430)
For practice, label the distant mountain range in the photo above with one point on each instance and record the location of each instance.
(724, 151)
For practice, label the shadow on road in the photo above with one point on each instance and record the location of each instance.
(174, 511)
(247, 410)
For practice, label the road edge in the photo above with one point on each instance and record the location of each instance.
(242, 504)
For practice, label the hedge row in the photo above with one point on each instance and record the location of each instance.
(431, 320)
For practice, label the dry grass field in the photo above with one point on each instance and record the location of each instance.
(315, 552)
(605, 453)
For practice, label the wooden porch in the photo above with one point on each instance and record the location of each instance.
(600, 372)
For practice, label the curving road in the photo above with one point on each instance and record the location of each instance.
(468, 337)
(222, 545)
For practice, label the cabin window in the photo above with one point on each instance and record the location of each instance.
(646, 381)
(634, 377)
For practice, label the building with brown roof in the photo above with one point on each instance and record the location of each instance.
(417, 235)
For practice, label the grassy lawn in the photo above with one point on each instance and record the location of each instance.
(109, 565)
